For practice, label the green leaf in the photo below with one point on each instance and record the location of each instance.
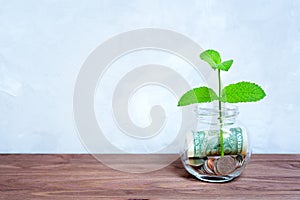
(225, 65)
(212, 57)
(242, 92)
(198, 95)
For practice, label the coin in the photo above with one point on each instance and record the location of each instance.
(210, 163)
(225, 165)
(215, 167)
(196, 162)
(239, 160)
(201, 170)
(207, 169)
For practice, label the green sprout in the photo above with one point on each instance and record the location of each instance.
(232, 93)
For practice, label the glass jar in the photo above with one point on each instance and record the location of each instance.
(217, 131)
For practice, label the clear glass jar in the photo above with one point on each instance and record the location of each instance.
(202, 154)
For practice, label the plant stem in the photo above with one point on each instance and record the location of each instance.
(220, 116)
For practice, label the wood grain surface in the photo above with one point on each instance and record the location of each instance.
(57, 176)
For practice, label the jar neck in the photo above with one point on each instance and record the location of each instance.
(212, 115)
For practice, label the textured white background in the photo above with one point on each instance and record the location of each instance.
(43, 44)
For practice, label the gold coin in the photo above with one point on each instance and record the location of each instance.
(210, 163)
(196, 162)
(207, 169)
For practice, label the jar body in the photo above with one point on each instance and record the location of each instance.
(219, 149)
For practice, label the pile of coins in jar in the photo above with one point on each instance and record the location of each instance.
(216, 165)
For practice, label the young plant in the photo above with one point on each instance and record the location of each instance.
(232, 93)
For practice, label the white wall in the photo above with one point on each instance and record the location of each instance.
(44, 43)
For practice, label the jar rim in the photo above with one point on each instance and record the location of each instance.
(213, 106)
(227, 110)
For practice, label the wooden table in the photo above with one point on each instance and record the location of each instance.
(83, 177)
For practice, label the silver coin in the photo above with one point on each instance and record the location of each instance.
(239, 160)
(215, 168)
(201, 170)
(225, 165)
